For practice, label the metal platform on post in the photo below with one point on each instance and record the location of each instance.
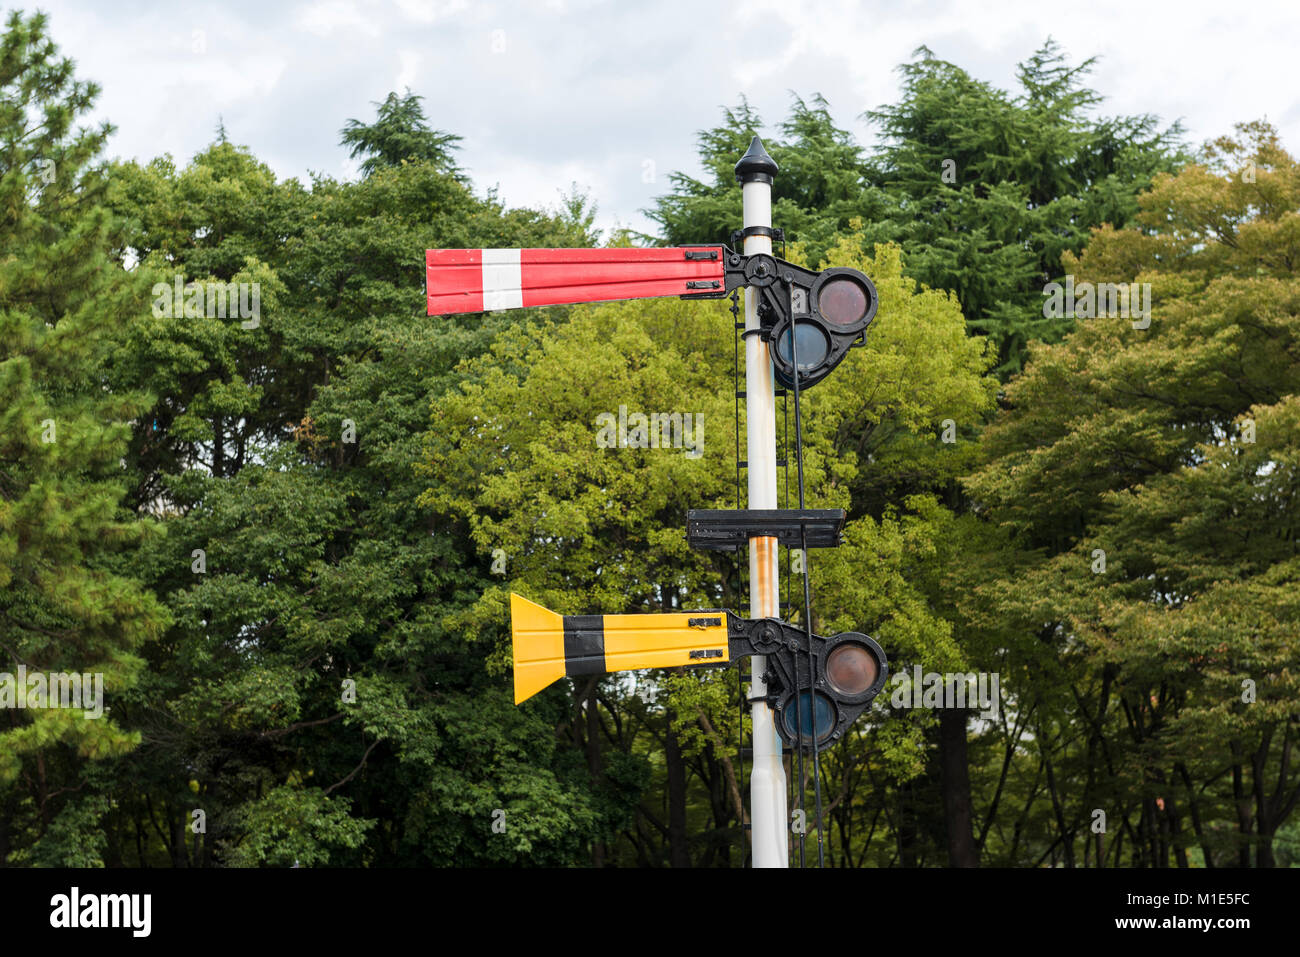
(724, 530)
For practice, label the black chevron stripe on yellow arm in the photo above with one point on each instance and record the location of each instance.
(548, 646)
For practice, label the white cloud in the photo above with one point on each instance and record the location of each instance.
(430, 11)
(589, 89)
(409, 70)
(329, 16)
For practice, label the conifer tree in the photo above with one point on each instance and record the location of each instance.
(64, 606)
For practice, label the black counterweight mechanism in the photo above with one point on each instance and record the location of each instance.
(827, 312)
(816, 695)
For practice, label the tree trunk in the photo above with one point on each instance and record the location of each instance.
(956, 789)
(594, 762)
(218, 448)
(1264, 851)
(678, 853)
(1265, 820)
(1242, 802)
(1067, 839)
(907, 825)
(1194, 808)
(179, 824)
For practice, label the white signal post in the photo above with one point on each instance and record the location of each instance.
(755, 172)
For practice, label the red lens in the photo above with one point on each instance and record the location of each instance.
(851, 669)
(842, 301)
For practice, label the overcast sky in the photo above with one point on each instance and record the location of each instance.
(611, 93)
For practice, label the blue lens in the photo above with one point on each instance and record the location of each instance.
(811, 343)
(799, 720)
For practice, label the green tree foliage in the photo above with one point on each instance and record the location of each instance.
(306, 587)
(288, 539)
(400, 134)
(218, 222)
(823, 184)
(988, 189)
(983, 189)
(65, 604)
(1151, 475)
(322, 577)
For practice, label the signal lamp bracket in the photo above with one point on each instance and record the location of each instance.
(724, 530)
(790, 674)
(834, 306)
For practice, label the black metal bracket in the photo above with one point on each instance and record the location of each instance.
(770, 637)
(761, 636)
(738, 236)
(763, 271)
(785, 290)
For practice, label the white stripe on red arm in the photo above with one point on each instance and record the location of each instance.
(502, 280)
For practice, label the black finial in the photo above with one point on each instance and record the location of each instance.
(756, 165)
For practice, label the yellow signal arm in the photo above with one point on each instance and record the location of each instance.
(548, 646)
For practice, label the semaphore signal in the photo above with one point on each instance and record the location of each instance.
(799, 325)
(828, 311)
(823, 696)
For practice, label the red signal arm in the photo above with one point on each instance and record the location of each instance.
(484, 280)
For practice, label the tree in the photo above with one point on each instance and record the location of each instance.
(400, 134)
(1151, 473)
(309, 696)
(984, 190)
(988, 189)
(66, 608)
(822, 186)
(225, 384)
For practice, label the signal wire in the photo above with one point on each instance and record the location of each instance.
(740, 575)
(798, 798)
(807, 602)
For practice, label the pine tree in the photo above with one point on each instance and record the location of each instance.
(64, 607)
(400, 134)
(988, 188)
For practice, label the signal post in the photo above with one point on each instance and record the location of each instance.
(768, 814)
